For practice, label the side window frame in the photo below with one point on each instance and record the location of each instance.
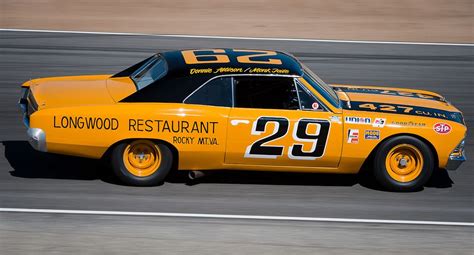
(322, 105)
(232, 78)
(232, 82)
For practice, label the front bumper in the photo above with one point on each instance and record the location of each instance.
(37, 139)
(457, 157)
(455, 162)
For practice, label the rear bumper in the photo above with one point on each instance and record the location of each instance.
(37, 139)
(27, 105)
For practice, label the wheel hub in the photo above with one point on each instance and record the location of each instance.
(142, 158)
(404, 162)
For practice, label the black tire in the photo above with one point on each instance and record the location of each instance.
(388, 182)
(127, 177)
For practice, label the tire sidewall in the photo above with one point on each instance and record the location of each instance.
(384, 178)
(156, 178)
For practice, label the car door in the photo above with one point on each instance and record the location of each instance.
(276, 120)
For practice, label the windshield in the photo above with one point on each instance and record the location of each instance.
(152, 70)
(320, 86)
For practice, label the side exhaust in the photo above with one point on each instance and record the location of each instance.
(193, 175)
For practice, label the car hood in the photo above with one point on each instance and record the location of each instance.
(79, 90)
(397, 101)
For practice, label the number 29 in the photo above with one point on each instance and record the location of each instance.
(259, 149)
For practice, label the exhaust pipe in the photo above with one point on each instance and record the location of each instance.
(193, 175)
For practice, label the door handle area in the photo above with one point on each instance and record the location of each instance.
(237, 122)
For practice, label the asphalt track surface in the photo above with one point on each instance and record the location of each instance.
(30, 179)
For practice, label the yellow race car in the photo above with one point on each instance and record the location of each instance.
(213, 109)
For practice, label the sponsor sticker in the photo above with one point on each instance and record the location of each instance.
(353, 136)
(372, 135)
(408, 123)
(335, 119)
(358, 120)
(315, 105)
(442, 128)
(379, 122)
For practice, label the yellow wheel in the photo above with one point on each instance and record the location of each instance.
(142, 158)
(142, 162)
(403, 163)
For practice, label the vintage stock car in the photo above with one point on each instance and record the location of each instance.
(236, 109)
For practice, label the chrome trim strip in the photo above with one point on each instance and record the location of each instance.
(295, 85)
(233, 91)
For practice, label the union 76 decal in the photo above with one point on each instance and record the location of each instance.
(318, 139)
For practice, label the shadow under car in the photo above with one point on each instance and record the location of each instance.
(29, 163)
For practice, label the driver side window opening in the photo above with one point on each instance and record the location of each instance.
(265, 92)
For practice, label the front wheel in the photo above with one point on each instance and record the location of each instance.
(142, 162)
(403, 163)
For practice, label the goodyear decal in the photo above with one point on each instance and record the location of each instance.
(406, 110)
(388, 92)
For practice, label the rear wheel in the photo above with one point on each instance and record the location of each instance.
(403, 163)
(142, 162)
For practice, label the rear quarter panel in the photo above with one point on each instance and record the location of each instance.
(197, 132)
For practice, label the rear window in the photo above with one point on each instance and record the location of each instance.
(152, 70)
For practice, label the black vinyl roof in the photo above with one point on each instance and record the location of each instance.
(235, 61)
(188, 69)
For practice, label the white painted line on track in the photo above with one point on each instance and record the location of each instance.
(238, 37)
(236, 217)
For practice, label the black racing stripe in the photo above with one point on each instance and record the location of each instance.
(388, 93)
(405, 110)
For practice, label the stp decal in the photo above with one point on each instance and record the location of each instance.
(442, 128)
(353, 136)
